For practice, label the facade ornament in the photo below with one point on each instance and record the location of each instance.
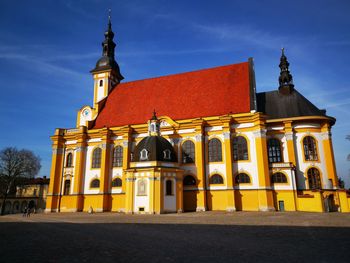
(259, 133)
(199, 137)
(326, 135)
(289, 136)
(227, 135)
(57, 151)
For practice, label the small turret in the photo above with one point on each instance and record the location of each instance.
(286, 85)
(154, 125)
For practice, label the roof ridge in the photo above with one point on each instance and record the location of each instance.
(182, 73)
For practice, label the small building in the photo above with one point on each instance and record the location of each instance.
(213, 143)
(31, 194)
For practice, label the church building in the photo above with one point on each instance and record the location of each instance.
(194, 141)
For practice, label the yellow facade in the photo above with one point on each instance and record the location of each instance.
(237, 161)
(258, 195)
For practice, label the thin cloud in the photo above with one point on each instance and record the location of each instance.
(242, 33)
(137, 53)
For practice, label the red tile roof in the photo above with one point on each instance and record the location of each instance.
(209, 92)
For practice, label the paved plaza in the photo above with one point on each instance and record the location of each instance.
(187, 237)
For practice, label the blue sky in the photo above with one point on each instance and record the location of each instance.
(48, 47)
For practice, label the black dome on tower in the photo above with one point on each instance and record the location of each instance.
(107, 61)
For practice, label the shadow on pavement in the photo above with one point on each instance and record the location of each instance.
(66, 242)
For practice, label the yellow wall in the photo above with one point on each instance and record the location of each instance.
(247, 200)
(95, 201)
(217, 200)
(117, 202)
(310, 202)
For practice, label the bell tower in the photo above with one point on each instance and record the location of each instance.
(106, 73)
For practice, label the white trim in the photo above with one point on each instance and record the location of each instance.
(243, 125)
(214, 128)
(186, 131)
(95, 140)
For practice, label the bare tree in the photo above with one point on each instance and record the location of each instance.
(15, 165)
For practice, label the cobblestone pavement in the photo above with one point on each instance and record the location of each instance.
(187, 237)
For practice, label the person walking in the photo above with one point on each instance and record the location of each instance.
(25, 211)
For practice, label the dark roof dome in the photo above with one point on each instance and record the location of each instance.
(154, 148)
(106, 63)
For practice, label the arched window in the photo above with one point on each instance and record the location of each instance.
(188, 152)
(314, 179)
(118, 156)
(274, 151)
(101, 83)
(242, 178)
(69, 160)
(278, 178)
(117, 182)
(167, 154)
(215, 153)
(310, 149)
(169, 187)
(95, 183)
(66, 189)
(216, 179)
(143, 155)
(189, 180)
(96, 158)
(240, 148)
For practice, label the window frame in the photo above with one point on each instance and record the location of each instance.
(69, 160)
(216, 179)
(143, 155)
(119, 182)
(238, 181)
(317, 179)
(215, 150)
(96, 158)
(279, 178)
(310, 149)
(240, 149)
(65, 190)
(92, 184)
(169, 187)
(188, 150)
(274, 151)
(167, 154)
(118, 156)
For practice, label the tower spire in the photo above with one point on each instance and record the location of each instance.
(107, 61)
(109, 19)
(286, 85)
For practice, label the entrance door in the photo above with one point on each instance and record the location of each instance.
(281, 206)
(190, 200)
